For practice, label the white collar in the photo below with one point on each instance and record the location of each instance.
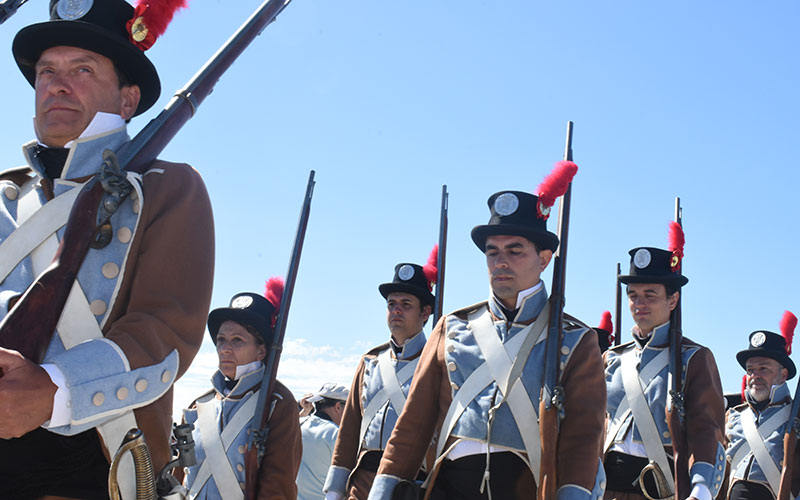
(524, 293)
(102, 122)
(243, 370)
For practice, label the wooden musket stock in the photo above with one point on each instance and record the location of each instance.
(551, 397)
(29, 325)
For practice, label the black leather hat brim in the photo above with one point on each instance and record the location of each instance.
(32, 40)
(780, 357)
(545, 240)
(241, 316)
(675, 279)
(424, 296)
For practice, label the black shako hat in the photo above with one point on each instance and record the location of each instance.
(247, 309)
(515, 213)
(95, 25)
(769, 345)
(653, 265)
(409, 278)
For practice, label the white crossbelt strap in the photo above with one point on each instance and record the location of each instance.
(390, 382)
(756, 442)
(390, 378)
(643, 419)
(646, 377)
(766, 428)
(37, 224)
(472, 386)
(216, 463)
(496, 368)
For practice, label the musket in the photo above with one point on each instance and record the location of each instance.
(676, 412)
(29, 325)
(790, 447)
(8, 8)
(259, 426)
(440, 258)
(618, 318)
(551, 399)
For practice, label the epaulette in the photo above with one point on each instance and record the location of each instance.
(466, 311)
(621, 347)
(378, 349)
(573, 323)
(209, 392)
(17, 175)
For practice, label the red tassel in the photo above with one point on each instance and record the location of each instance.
(676, 242)
(788, 324)
(150, 20)
(605, 322)
(431, 268)
(554, 185)
(744, 387)
(273, 292)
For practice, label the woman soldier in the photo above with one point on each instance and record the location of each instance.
(222, 416)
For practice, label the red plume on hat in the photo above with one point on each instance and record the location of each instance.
(431, 268)
(605, 324)
(273, 293)
(788, 324)
(744, 386)
(554, 185)
(150, 20)
(676, 242)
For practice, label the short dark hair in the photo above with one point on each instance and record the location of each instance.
(326, 403)
(669, 289)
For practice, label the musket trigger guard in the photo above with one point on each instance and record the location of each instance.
(188, 97)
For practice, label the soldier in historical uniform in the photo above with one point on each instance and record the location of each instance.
(488, 438)
(380, 386)
(134, 319)
(637, 378)
(222, 417)
(755, 429)
(319, 431)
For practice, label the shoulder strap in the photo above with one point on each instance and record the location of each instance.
(765, 429)
(646, 377)
(756, 442)
(216, 463)
(643, 419)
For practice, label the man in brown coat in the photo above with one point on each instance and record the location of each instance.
(486, 420)
(380, 386)
(135, 317)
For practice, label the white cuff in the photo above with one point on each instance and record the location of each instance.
(62, 409)
(701, 492)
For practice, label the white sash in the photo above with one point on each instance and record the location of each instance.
(646, 377)
(216, 463)
(496, 368)
(755, 439)
(643, 419)
(392, 385)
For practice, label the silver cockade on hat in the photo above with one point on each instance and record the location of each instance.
(758, 339)
(242, 302)
(506, 204)
(641, 258)
(406, 272)
(71, 10)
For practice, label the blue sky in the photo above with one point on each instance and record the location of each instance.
(387, 101)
